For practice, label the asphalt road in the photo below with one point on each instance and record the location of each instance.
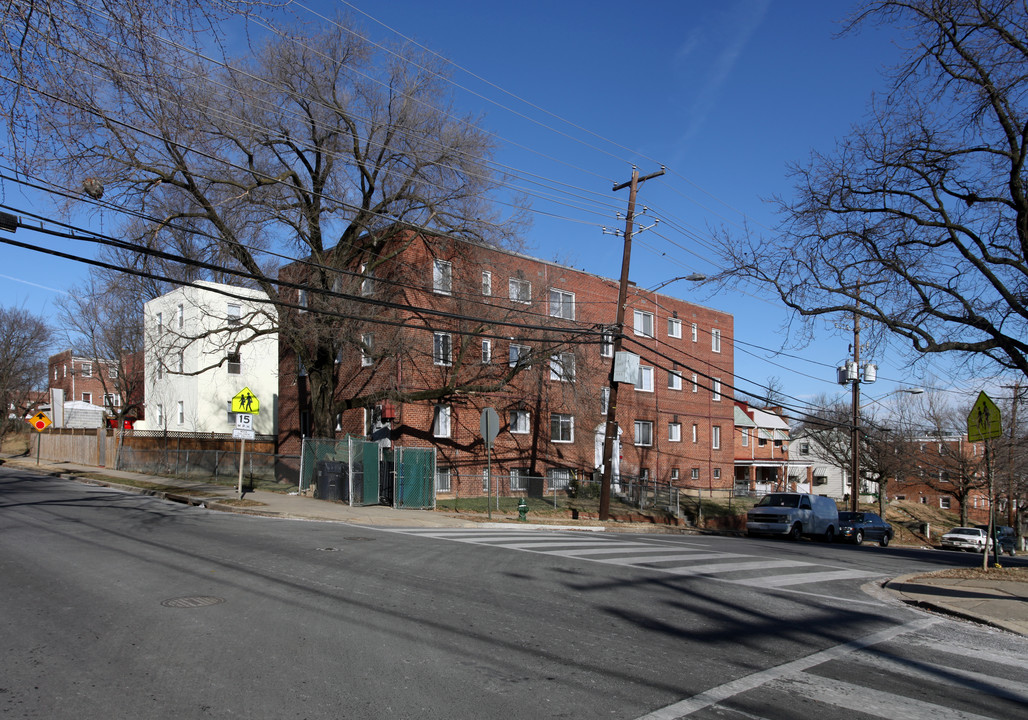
(121, 606)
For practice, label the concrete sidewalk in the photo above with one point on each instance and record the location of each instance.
(999, 603)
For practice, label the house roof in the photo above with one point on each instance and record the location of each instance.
(742, 419)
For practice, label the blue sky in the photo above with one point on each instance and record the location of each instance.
(723, 94)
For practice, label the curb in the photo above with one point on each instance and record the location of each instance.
(942, 609)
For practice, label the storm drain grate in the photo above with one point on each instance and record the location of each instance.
(193, 601)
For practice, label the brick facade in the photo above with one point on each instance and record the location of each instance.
(461, 314)
(85, 379)
(940, 466)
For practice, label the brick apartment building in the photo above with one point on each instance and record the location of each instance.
(85, 379)
(942, 469)
(457, 327)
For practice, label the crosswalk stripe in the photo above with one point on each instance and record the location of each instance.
(871, 702)
(934, 672)
(774, 581)
(614, 548)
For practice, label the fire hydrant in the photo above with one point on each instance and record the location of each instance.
(522, 509)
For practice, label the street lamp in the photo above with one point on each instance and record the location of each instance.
(849, 373)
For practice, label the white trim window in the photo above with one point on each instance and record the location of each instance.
(607, 345)
(746, 438)
(234, 364)
(160, 323)
(233, 314)
(715, 437)
(674, 474)
(487, 352)
(674, 432)
(519, 478)
(645, 383)
(562, 304)
(442, 277)
(695, 473)
(442, 349)
(520, 422)
(367, 343)
(519, 291)
(160, 415)
(301, 300)
(443, 476)
(644, 433)
(519, 355)
(181, 412)
(87, 370)
(180, 315)
(558, 478)
(695, 433)
(487, 283)
(604, 400)
(674, 327)
(715, 340)
(695, 383)
(642, 323)
(716, 390)
(562, 428)
(674, 380)
(562, 367)
(695, 332)
(441, 421)
(87, 397)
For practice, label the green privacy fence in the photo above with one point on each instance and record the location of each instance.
(362, 472)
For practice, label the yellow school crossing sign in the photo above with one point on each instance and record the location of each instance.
(983, 422)
(246, 402)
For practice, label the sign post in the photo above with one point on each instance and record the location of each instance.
(245, 405)
(490, 426)
(40, 422)
(984, 424)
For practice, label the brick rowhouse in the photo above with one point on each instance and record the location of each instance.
(461, 327)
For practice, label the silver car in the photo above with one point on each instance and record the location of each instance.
(966, 538)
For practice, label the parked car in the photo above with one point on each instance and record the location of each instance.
(856, 527)
(793, 515)
(966, 538)
(1005, 537)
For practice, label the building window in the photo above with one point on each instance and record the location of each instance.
(695, 332)
(87, 397)
(442, 479)
(643, 323)
(695, 473)
(441, 422)
(762, 436)
(745, 437)
(519, 422)
(442, 277)
(562, 367)
(234, 364)
(674, 327)
(562, 304)
(160, 415)
(112, 372)
(607, 345)
(487, 352)
(715, 340)
(441, 349)
(87, 370)
(562, 427)
(367, 343)
(805, 448)
(160, 323)
(519, 355)
(112, 401)
(944, 502)
(160, 370)
(180, 316)
(301, 300)
(487, 283)
(715, 437)
(604, 400)
(558, 478)
(486, 487)
(181, 413)
(717, 473)
(519, 479)
(674, 380)
(235, 314)
(674, 432)
(519, 290)
(643, 433)
(645, 383)
(695, 383)
(674, 474)
(716, 390)
(181, 361)
(695, 433)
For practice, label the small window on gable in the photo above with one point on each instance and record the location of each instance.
(442, 277)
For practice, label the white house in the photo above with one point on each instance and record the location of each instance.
(203, 346)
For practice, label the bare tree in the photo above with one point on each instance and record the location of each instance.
(918, 220)
(24, 341)
(321, 146)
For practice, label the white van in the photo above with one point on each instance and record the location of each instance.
(793, 515)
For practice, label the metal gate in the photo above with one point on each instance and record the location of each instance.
(414, 483)
(364, 477)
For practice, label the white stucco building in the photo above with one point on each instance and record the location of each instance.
(204, 345)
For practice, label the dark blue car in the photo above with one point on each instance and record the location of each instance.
(856, 527)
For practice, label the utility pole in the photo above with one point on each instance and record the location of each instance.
(855, 459)
(611, 428)
(1011, 499)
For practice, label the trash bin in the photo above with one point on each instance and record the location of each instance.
(330, 484)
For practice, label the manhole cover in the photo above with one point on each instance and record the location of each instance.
(193, 602)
